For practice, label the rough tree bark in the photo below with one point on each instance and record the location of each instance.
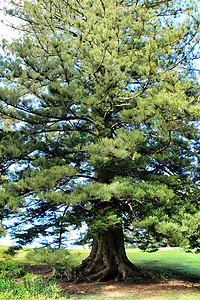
(108, 260)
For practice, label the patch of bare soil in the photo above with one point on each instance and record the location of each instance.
(123, 290)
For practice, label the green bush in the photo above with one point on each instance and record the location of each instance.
(9, 296)
(60, 260)
(9, 269)
(47, 256)
(32, 287)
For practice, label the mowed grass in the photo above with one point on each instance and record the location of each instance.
(168, 296)
(174, 260)
(172, 296)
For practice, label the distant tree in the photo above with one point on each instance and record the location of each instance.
(105, 103)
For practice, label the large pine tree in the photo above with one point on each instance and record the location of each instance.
(102, 105)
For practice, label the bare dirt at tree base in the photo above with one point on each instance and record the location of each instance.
(113, 290)
(126, 290)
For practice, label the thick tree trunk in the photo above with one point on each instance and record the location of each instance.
(108, 260)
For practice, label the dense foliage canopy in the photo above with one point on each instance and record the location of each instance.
(99, 120)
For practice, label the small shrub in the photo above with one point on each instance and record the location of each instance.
(9, 269)
(60, 260)
(47, 256)
(33, 287)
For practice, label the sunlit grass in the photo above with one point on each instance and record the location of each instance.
(165, 296)
(174, 260)
(165, 254)
(167, 258)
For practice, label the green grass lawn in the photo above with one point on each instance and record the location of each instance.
(165, 254)
(174, 260)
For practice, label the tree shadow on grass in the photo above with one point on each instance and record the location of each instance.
(169, 270)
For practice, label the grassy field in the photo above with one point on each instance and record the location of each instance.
(171, 261)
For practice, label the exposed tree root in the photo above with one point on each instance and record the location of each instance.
(108, 260)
